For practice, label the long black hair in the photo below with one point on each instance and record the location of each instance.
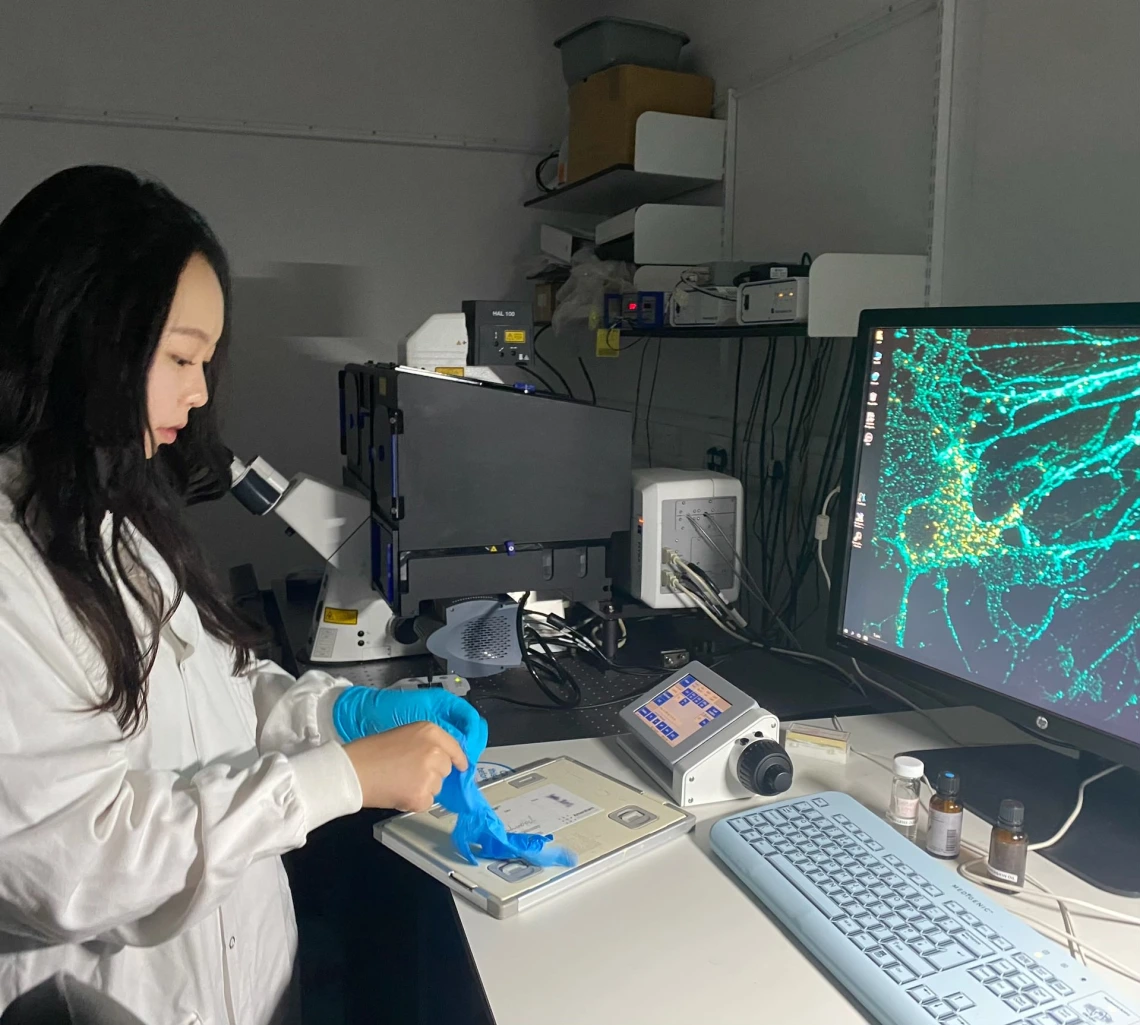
(89, 263)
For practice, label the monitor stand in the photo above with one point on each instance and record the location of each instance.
(1102, 845)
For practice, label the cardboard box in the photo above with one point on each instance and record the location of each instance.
(605, 107)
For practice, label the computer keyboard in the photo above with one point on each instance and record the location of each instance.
(909, 939)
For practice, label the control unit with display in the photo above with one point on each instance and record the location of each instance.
(703, 740)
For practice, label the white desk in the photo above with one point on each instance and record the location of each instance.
(672, 938)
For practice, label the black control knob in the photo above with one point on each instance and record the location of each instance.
(764, 768)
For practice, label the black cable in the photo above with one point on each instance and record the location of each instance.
(540, 167)
(637, 395)
(649, 406)
(736, 403)
(589, 382)
(537, 376)
(546, 363)
(533, 663)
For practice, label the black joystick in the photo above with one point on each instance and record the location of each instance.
(764, 768)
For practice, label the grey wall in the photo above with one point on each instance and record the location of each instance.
(339, 247)
(1043, 201)
(833, 153)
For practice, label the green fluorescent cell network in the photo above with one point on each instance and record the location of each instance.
(1009, 496)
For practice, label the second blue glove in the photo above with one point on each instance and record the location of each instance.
(361, 711)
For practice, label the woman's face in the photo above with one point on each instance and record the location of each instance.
(176, 382)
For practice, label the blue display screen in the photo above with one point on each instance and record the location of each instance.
(682, 709)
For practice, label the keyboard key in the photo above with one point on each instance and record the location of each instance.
(819, 802)
(879, 909)
(880, 932)
(1038, 994)
(938, 1009)
(846, 925)
(751, 835)
(1020, 980)
(971, 920)
(834, 891)
(1002, 943)
(939, 939)
(1018, 1002)
(909, 892)
(1042, 973)
(900, 974)
(953, 956)
(894, 859)
(909, 934)
(974, 945)
(1042, 1019)
(922, 945)
(741, 825)
(774, 817)
(929, 928)
(959, 1001)
(763, 848)
(953, 1020)
(895, 902)
(880, 957)
(955, 907)
(923, 903)
(843, 819)
(1058, 987)
(984, 973)
(874, 846)
(912, 915)
(932, 890)
(1065, 1015)
(881, 891)
(922, 994)
(908, 957)
(986, 931)
(1000, 988)
(894, 922)
(1024, 960)
(1002, 966)
(803, 806)
(863, 940)
(824, 903)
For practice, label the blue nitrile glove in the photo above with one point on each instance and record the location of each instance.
(361, 711)
(477, 825)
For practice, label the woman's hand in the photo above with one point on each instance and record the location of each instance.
(404, 768)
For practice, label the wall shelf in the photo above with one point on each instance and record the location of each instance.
(616, 190)
(726, 331)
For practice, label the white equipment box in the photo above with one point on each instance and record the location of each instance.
(780, 301)
(702, 740)
(695, 513)
(703, 306)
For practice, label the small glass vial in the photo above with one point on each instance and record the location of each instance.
(902, 812)
(944, 835)
(1009, 844)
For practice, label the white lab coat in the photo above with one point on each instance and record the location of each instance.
(150, 866)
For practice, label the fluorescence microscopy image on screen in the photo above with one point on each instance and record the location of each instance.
(1002, 524)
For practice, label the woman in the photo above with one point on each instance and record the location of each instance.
(151, 772)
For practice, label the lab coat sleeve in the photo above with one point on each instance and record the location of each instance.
(92, 848)
(293, 713)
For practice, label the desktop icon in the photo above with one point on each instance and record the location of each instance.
(873, 399)
(870, 419)
(857, 536)
(874, 377)
(878, 336)
(858, 519)
(877, 358)
(862, 499)
(868, 438)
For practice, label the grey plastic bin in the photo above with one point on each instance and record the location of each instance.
(602, 43)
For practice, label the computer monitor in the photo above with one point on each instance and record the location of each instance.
(989, 548)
